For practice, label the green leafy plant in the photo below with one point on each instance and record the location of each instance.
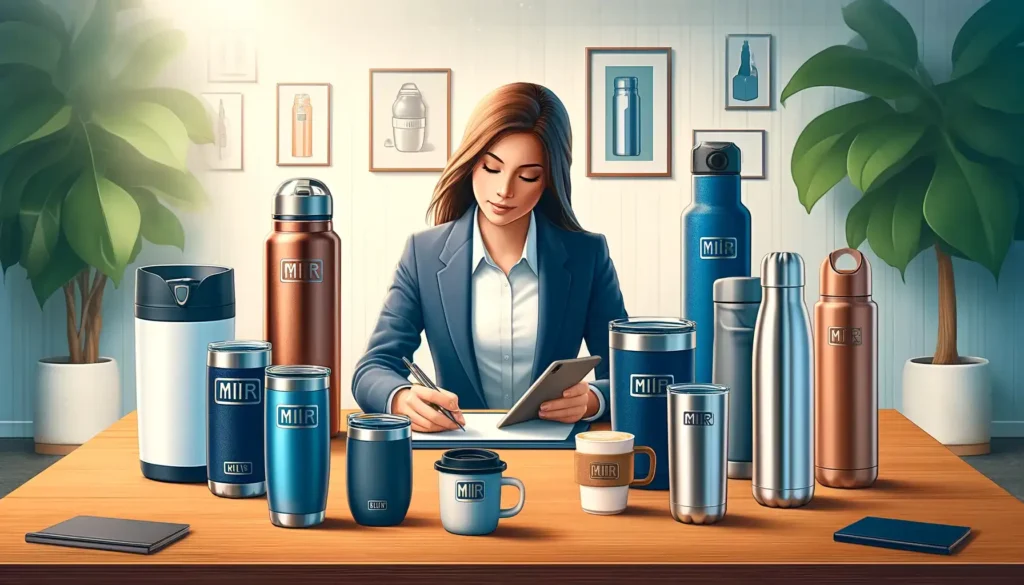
(940, 165)
(89, 152)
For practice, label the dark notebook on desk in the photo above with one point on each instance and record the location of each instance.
(116, 534)
(907, 535)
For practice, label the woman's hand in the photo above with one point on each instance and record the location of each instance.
(415, 403)
(577, 402)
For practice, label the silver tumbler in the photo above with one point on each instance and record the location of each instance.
(737, 300)
(783, 473)
(698, 429)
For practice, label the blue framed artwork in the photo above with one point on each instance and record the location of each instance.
(748, 72)
(629, 112)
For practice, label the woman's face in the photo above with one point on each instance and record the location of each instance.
(508, 179)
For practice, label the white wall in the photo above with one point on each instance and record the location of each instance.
(490, 43)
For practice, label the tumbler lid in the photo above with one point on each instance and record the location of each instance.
(842, 282)
(182, 292)
(652, 334)
(303, 199)
(470, 462)
(782, 270)
(241, 355)
(298, 378)
(378, 427)
(738, 289)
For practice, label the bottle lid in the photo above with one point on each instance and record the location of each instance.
(716, 158)
(782, 270)
(625, 83)
(181, 292)
(470, 462)
(303, 199)
(738, 289)
(843, 282)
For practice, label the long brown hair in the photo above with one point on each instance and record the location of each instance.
(516, 107)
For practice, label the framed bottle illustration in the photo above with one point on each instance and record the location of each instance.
(748, 72)
(304, 124)
(410, 119)
(226, 151)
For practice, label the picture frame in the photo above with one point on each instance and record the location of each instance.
(753, 146)
(231, 57)
(620, 143)
(227, 117)
(303, 132)
(749, 86)
(407, 106)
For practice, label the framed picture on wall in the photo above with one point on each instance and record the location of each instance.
(410, 119)
(231, 57)
(225, 113)
(303, 124)
(752, 145)
(748, 72)
(629, 112)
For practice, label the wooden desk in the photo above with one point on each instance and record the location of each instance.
(551, 540)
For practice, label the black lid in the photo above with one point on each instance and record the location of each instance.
(181, 292)
(716, 158)
(470, 462)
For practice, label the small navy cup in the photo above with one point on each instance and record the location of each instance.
(379, 468)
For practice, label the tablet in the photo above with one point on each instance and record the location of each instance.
(560, 375)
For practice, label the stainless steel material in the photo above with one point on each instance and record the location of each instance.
(238, 355)
(298, 378)
(783, 465)
(740, 469)
(737, 300)
(379, 434)
(698, 427)
(237, 490)
(296, 520)
(628, 334)
(301, 198)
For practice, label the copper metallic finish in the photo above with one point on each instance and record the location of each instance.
(845, 376)
(303, 319)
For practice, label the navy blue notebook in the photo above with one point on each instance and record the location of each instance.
(941, 539)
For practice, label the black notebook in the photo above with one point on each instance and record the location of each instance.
(116, 534)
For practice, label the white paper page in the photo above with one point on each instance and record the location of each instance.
(480, 426)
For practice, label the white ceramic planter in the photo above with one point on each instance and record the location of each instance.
(951, 403)
(73, 402)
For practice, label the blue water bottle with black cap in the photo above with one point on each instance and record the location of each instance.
(716, 240)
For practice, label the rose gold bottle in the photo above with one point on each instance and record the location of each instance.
(845, 375)
(302, 295)
(302, 126)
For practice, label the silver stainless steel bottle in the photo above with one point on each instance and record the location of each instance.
(783, 474)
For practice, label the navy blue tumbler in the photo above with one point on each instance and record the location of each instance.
(716, 240)
(298, 444)
(234, 406)
(378, 456)
(646, 356)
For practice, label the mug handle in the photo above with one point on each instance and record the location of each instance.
(510, 512)
(650, 472)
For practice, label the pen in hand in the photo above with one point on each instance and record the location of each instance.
(422, 378)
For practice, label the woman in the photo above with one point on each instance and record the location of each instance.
(505, 284)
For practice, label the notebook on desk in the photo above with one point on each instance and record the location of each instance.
(482, 431)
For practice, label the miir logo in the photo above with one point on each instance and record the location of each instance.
(299, 270)
(717, 248)
(234, 391)
(237, 468)
(646, 385)
(698, 418)
(604, 471)
(469, 491)
(298, 416)
(844, 336)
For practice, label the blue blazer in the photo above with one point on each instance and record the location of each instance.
(579, 295)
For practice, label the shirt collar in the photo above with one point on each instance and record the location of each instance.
(480, 253)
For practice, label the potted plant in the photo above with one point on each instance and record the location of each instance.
(90, 154)
(941, 168)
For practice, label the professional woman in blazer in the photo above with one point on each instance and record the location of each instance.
(505, 284)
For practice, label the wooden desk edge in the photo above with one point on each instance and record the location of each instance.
(220, 574)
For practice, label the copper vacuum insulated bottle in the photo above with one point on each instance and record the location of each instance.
(845, 375)
(303, 284)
